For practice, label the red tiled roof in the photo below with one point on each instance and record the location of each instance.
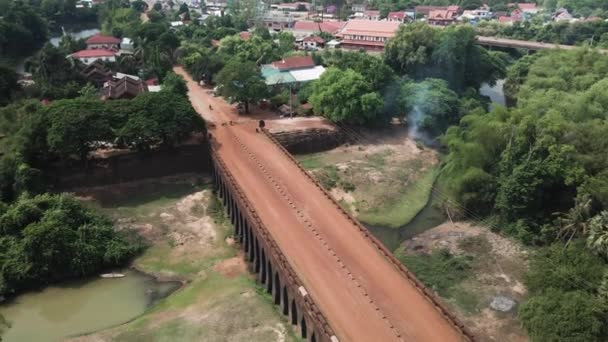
(316, 39)
(295, 62)
(396, 15)
(385, 29)
(89, 53)
(526, 6)
(331, 27)
(101, 39)
(215, 42)
(504, 19)
(442, 15)
(425, 10)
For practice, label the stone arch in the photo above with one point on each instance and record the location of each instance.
(294, 313)
(269, 284)
(246, 240)
(303, 328)
(313, 338)
(256, 256)
(285, 301)
(263, 268)
(277, 291)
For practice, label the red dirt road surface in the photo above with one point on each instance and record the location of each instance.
(361, 293)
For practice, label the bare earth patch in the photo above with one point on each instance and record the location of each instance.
(498, 265)
(232, 267)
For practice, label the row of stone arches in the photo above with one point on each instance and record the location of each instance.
(263, 264)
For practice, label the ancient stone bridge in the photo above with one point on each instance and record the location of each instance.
(325, 271)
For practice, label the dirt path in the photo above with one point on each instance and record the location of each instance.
(364, 296)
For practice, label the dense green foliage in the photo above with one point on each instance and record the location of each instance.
(531, 161)
(420, 51)
(67, 130)
(541, 169)
(22, 30)
(345, 96)
(242, 82)
(593, 33)
(564, 306)
(49, 238)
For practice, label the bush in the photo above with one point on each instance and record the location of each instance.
(556, 315)
(49, 238)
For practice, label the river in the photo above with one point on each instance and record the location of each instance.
(78, 307)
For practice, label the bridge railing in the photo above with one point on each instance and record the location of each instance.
(427, 294)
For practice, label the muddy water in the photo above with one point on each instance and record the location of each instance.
(76, 308)
(430, 216)
(495, 93)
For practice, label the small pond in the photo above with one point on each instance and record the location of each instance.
(429, 217)
(77, 307)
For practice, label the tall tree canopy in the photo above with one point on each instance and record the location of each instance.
(345, 96)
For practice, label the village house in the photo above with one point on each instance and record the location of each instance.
(291, 71)
(100, 41)
(481, 13)
(358, 8)
(399, 16)
(371, 15)
(124, 88)
(305, 28)
(527, 8)
(96, 73)
(293, 6)
(443, 17)
(368, 35)
(424, 11)
(562, 15)
(313, 43)
(89, 56)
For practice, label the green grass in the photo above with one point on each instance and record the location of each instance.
(311, 161)
(404, 209)
(440, 270)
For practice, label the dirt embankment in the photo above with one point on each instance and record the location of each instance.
(498, 266)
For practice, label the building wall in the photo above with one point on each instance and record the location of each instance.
(102, 46)
(91, 60)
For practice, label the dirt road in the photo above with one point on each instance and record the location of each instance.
(363, 296)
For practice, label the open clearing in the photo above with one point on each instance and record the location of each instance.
(496, 268)
(384, 180)
(190, 241)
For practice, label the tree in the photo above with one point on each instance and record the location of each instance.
(175, 84)
(8, 84)
(597, 240)
(76, 127)
(345, 96)
(242, 82)
(159, 119)
(409, 52)
(576, 221)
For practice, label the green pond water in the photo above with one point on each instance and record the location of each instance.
(78, 307)
(430, 216)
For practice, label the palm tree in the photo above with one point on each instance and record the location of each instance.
(576, 220)
(597, 240)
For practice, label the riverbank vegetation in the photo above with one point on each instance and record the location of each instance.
(539, 170)
(48, 238)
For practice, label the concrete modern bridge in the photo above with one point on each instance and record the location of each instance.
(524, 44)
(326, 272)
